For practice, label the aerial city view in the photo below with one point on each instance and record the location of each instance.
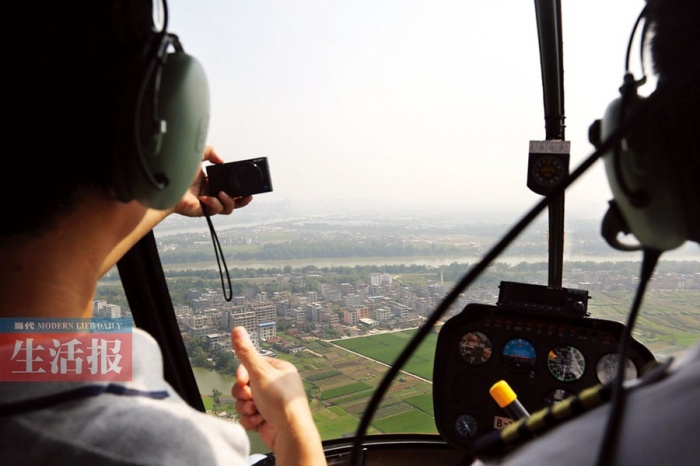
(340, 295)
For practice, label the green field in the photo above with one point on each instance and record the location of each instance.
(408, 407)
(344, 390)
(339, 384)
(386, 347)
(408, 422)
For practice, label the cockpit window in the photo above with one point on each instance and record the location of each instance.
(397, 139)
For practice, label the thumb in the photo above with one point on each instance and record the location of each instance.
(245, 350)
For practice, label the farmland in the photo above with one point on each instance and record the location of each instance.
(341, 375)
(339, 384)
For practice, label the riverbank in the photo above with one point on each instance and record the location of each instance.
(427, 261)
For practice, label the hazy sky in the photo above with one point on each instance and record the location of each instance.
(413, 103)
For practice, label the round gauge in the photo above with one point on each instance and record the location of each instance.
(548, 170)
(606, 368)
(519, 353)
(555, 396)
(475, 348)
(466, 425)
(566, 363)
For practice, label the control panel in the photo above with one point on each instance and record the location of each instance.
(545, 348)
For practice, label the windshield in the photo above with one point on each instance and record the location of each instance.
(397, 138)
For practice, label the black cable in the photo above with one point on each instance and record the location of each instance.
(675, 83)
(219, 255)
(606, 454)
(628, 92)
(628, 54)
(472, 275)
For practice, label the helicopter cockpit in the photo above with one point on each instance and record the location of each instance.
(498, 368)
(538, 339)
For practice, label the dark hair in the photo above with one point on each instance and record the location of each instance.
(675, 42)
(72, 67)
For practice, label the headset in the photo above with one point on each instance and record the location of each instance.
(648, 201)
(164, 123)
(648, 198)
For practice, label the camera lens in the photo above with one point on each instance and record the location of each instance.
(248, 177)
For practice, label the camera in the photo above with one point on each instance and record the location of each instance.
(241, 178)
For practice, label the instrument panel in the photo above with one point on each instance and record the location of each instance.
(544, 357)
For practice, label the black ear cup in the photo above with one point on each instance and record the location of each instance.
(645, 188)
(166, 131)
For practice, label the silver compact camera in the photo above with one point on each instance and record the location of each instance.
(241, 178)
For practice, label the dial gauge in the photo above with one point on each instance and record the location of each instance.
(606, 368)
(519, 353)
(548, 164)
(548, 170)
(566, 363)
(475, 348)
(466, 426)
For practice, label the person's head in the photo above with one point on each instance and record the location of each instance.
(70, 70)
(675, 42)
(103, 103)
(654, 169)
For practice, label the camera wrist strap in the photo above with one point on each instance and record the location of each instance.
(219, 255)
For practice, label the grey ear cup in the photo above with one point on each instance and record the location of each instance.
(167, 129)
(643, 183)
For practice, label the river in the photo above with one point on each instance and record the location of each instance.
(208, 380)
(428, 261)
